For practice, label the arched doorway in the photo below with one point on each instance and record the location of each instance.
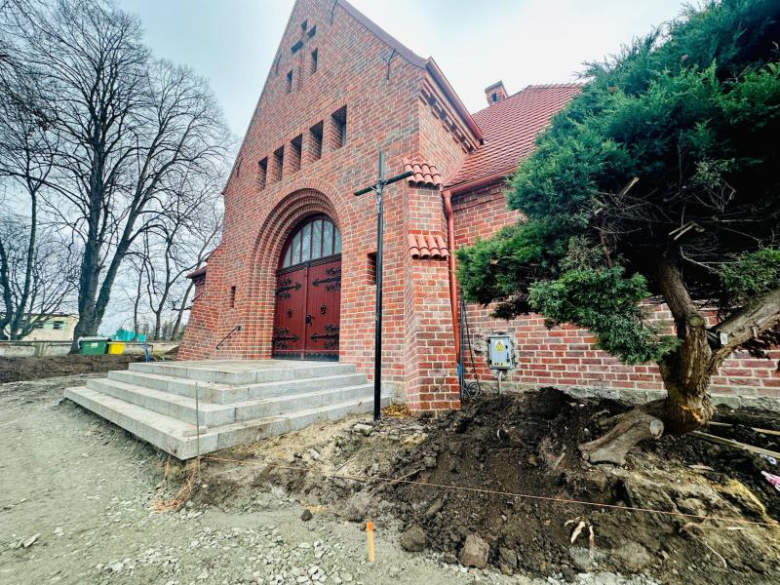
(308, 292)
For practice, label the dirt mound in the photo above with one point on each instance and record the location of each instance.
(35, 368)
(527, 445)
(503, 479)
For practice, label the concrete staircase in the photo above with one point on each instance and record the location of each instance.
(238, 401)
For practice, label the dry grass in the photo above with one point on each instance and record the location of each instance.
(397, 411)
(185, 492)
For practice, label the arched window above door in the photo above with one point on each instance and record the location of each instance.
(315, 239)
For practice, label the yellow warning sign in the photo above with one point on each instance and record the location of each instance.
(499, 346)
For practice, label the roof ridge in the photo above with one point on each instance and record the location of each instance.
(572, 84)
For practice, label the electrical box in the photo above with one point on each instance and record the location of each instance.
(501, 352)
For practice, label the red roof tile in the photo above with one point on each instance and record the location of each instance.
(424, 175)
(427, 246)
(197, 273)
(510, 128)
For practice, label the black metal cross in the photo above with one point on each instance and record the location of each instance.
(378, 189)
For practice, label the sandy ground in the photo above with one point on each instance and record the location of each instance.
(77, 491)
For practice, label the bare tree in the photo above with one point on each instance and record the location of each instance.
(34, 275)
(17, 87)
(35, 282)
(126, 126)
(188, 230)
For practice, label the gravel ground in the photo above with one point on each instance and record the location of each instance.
(75, 493)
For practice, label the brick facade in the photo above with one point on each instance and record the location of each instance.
(339, 90)
(565, 356)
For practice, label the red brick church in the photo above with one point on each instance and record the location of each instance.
(294, 275)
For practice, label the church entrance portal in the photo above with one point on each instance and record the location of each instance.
(308, 292)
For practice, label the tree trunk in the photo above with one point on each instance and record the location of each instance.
(686, 373)
(180, 312)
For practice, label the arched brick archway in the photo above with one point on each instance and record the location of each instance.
(272, 237)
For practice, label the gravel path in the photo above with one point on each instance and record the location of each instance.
(74, 508)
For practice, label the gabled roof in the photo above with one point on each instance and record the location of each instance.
(429, 64)
(510, 128)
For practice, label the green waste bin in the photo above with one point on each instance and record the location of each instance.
(93, 345)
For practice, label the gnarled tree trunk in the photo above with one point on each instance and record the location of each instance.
(687, 371)
(686, 374)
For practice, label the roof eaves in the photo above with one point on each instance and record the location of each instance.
(445, 86)
(479, 182)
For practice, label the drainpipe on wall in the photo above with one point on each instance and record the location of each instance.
(447, 198)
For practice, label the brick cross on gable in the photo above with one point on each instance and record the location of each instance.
(306, 34)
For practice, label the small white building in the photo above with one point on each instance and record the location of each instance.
(56, 327)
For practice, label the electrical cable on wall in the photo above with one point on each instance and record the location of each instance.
(467, 389)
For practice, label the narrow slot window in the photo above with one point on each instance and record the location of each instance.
(340, 124)
(315, 135)
(290, 82)
(262, 175)
(372, 268)
(315, 57)
(278, 163)
(232, 297)
(295, 153)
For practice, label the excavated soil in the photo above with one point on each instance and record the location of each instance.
(35, 368)
(528, 445)
(508, 470)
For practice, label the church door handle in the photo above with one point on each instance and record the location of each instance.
(308, 319)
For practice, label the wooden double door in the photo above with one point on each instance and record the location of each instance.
(308, 292)
(308, 304)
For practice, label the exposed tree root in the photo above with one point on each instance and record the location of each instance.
(629, 429)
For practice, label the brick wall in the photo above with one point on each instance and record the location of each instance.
(566, 356)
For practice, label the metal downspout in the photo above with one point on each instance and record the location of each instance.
(447, 198)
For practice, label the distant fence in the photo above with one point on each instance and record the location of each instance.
(24, 348)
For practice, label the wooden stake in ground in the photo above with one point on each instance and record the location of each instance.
(370, 540)
(197, 426)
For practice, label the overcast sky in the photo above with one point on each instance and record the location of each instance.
(233, 42)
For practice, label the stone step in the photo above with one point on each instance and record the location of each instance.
(238, 394)
(167, 433)
(211, 414)
(165, 403)
(178, 438)
(289, 403)
(230, 394)
(243, 372)
(181, 386)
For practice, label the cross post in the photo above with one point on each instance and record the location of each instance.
(378, 189)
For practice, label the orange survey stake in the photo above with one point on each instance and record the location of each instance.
(370, 537)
